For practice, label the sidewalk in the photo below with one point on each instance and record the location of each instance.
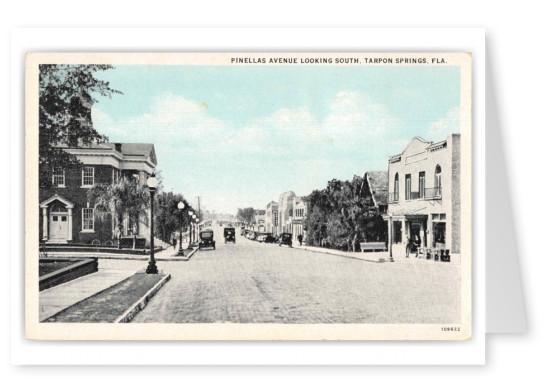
(59, 297)
(118, 303)
(398, 254)
(172, 254)
(166, 254)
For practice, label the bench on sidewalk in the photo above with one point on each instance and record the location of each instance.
(373, 246)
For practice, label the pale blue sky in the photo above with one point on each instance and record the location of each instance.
(240, 136)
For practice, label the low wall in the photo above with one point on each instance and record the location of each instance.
(95, 249)
(80, 268)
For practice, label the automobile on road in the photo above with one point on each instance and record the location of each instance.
(229, 235)
(206, 239)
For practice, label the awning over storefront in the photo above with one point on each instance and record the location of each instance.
(407, 214)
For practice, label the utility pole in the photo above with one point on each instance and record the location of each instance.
(199, 205)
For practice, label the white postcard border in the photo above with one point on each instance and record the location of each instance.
(474, 44)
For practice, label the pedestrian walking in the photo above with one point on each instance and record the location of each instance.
(299, 237)
(174, 241)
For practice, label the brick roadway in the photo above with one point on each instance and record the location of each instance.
(252, 282)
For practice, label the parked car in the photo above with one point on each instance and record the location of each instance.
(270, 239)
(286, 239)
(261, 238)
(206, 239)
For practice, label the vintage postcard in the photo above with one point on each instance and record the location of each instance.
(248, 196)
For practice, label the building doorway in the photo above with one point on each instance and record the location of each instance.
(59, 227)
(439, 235)
(418, 228)
(397, 231)
(57, 220)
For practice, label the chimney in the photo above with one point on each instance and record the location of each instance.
(118, 147)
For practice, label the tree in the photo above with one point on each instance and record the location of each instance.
(315, 223)
(126, 197)
(246, 215)
(66, 96)
(168, 215)
(343, 214)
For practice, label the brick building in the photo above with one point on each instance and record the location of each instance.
(66, 215)
(424, 193)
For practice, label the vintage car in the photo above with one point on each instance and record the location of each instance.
(270, 239)
(206, 239)
(261, 238)
(229, 235)
(286, 239)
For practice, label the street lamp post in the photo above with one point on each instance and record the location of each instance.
(390, 259)
(190, 213)
(181, 207)
(152, 267)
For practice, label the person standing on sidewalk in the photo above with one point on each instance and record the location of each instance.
(299, 237)
(117, 235)
(174, 240)
(416, 245)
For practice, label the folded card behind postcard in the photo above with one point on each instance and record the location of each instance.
(505, 312)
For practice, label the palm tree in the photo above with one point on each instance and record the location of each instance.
(124, 197)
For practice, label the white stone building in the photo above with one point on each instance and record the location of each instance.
(424, 194)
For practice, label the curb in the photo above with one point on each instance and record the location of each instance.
(137, 257)
(338, 255)
(191, 254)
(86, 298)
(130, 313)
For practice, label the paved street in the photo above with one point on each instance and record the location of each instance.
(252, 282)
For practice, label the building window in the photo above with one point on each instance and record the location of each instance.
(58, 178)
(396, 187)
(438, 180)
(422, 184)
(116, 175)
(87, 219)
(88, 176)
(408, 186)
